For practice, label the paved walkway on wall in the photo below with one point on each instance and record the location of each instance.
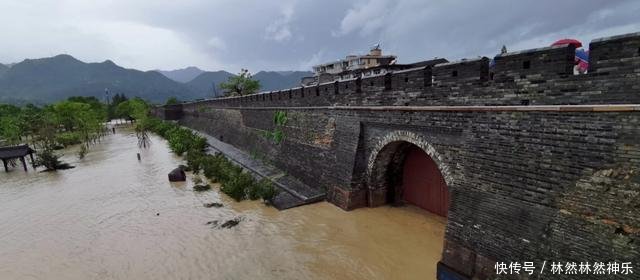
(293, 192)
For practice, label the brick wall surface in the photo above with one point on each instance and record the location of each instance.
(526, 183)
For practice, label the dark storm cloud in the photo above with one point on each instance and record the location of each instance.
(295, 34)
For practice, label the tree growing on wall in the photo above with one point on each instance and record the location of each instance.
(241, 84)
(172, 101)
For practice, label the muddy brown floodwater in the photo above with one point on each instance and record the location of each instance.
(113, 217)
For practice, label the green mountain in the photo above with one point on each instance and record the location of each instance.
(203, 85)
(56, 78)
(3, 69)
(272, 80)
(182, 75)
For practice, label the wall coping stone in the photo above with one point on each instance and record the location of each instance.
(532, 50)
(327, 83)
(616, 37)
(411, 69)
(531, 108)
(461, 61)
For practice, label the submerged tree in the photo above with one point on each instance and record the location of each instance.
(47, 139)
(83, 120)
(77, 120)
(138, 110)
(242, 84)
(112, 108)
(31, 117)
(50, 160)
(10, 130)
(11, 125)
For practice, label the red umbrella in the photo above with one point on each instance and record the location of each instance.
(574, 42)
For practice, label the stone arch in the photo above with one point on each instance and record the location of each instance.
(386, 162)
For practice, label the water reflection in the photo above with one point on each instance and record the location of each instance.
(114, 217)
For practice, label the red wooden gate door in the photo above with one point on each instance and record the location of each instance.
(423, 184)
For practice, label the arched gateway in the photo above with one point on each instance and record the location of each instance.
(403, 167)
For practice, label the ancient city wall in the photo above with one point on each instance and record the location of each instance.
(555, 176)
(525, 185)
(533, 77)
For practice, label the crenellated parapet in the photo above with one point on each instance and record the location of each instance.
(615, 55)
(542, 76)
(535, 64)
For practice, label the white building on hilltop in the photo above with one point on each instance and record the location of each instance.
(356, 62)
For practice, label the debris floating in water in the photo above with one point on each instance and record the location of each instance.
(228, 224)
(201, 188)
(213, 204)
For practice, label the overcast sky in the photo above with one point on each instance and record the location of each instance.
(294, 34)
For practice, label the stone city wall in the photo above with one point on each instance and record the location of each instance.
(553, 176)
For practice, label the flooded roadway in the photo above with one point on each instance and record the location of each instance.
(113, 217)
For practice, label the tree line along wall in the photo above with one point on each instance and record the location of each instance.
(527, 183)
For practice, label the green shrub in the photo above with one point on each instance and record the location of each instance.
(177, 138)
(253, 190)
(194, 161)
(181, 140)
(266, 189)
(277, 136)
(279, 120)
(68, 138)
(199, 143)
(234, 182)
(215, 168)
(236, 187)
(50, 160)
(160, 127)
(201, 188)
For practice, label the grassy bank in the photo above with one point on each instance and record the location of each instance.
(233, 180)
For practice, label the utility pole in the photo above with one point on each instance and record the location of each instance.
(106, 96)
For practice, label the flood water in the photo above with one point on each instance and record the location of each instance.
(113, 217)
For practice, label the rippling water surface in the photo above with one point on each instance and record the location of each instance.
(113, 217)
